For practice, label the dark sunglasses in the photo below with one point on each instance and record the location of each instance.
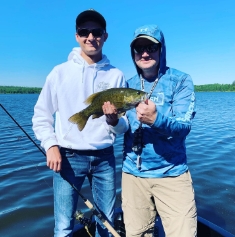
(98, 32)
(151, 48)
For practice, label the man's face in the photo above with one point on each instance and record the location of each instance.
(146, 61)
(91, 45)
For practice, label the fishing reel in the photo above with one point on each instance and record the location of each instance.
(82, 219)
(86, 222)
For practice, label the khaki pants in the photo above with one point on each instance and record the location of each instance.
(171, 197)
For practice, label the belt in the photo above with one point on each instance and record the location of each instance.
(106, 150)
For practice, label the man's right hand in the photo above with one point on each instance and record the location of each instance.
(111, 114)
(54, 159)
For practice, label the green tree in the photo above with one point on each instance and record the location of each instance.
(19, 90)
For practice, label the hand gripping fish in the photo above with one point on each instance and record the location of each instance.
(122, 98)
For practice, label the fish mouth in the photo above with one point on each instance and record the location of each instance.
(143, 98)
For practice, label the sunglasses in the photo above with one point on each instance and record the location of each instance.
(151, 48)
(98, 32)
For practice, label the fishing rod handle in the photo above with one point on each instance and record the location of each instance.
(89, 204)
(106, 224)
(111, 229)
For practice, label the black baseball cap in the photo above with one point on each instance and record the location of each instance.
(90, 15)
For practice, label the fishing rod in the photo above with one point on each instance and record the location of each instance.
(86, 201)
(23, 130)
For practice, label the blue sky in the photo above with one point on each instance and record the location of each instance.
(37, 35)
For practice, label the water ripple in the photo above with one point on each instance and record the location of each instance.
(26, 200)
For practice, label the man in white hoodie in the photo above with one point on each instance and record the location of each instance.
(73, 154)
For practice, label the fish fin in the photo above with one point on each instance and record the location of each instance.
(80, 119)
(96, 116)
(90, 99)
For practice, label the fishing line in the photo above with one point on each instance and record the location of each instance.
(19, 138)
(86, 201)
(23, 130)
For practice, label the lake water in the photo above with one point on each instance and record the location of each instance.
(26, 194)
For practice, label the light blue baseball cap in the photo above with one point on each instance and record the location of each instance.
(150, 32)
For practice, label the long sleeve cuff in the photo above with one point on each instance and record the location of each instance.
(49, 143)
(121, 127)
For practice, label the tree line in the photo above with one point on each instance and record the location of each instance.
(36, 90)
(19, 90)
(215, 87)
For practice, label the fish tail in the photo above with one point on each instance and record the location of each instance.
(80, 119)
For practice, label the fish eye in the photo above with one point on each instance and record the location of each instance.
(138, 92)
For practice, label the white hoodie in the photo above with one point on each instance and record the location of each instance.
(66, 88)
